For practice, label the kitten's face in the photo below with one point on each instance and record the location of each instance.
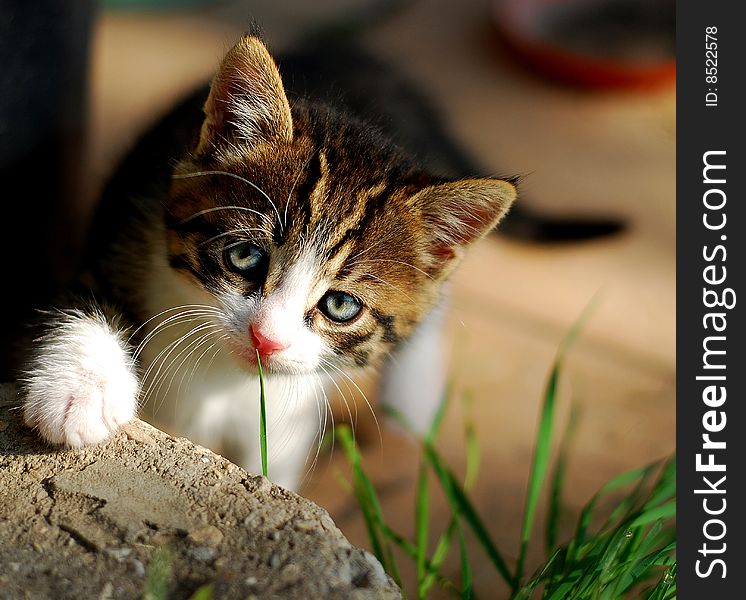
(320, 245)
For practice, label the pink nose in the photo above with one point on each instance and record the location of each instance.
(264, 345)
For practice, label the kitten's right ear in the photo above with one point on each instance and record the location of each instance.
(247, 100)
(459, 213)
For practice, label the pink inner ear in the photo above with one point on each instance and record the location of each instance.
(465, 226)
(216, 108)
(442, 252)
(460, 213)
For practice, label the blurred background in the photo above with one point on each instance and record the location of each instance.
(577, 96)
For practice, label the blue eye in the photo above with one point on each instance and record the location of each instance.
(243, 256)
(340, 307)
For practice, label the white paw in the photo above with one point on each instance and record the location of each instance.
(80, 385)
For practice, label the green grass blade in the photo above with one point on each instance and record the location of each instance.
(631, 502)
(459, 502)
(627, 552)
(586, 514)
(625, 479)
(665, 589)
(445, 540)
(539, 467)
(542, 444)
(369, 504)
(422, 518)
(370, 526)
(545, 573)
(448, 483)
(472, 447)
(651, 538)
(665, 511)
(557, 483)
(634, 570)
(353, 457)
(432, 433)
(439, 556)
(467, 592)
(411, 550)
(158, 575)
(428, 578)
(428, 571)
(470, 476)
(613, 549)
(665, 487)
(262, 416)
(204, 592)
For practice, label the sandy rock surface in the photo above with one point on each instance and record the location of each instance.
(87, 523)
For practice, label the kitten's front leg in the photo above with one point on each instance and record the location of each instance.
(79, 383)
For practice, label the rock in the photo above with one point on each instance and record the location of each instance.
(209, 536)
(87, 523)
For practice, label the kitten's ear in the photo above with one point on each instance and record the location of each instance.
(458, 214)
(247, 100)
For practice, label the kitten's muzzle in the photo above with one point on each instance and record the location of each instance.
(265, 345)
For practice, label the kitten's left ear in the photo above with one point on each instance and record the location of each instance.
(459, 213)
(247, 99)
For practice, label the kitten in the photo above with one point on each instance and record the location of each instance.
(289, 230)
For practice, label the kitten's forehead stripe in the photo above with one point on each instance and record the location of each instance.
(304, 191)
(319, 194)
(370, 210)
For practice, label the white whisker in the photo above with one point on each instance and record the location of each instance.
(235, 176)
(388, 260)
(365, 398)
(341, 393)
(191, 348)
(383, 240)
(230, 232)
(196, 362)
(163, 356)
(327, 416)
(173, 308)
(171, 321)
(398, 289)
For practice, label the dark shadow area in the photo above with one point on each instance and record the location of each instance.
(43, 48)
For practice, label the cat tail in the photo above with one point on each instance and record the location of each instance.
(78, 380)
(531, 225)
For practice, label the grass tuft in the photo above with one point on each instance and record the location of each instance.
(631, 553)
(158, 575)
